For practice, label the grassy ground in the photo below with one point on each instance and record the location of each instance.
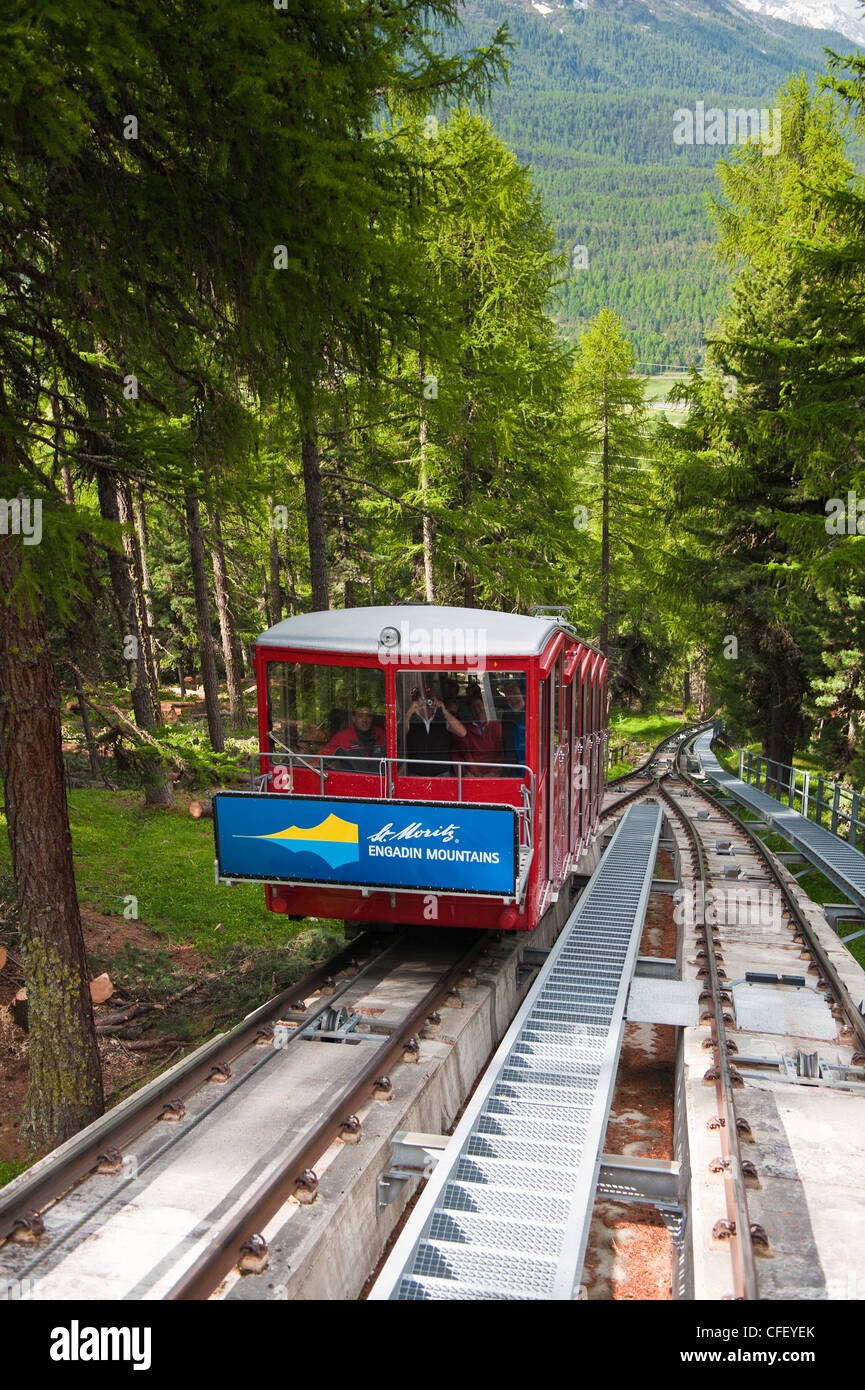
(163, 860)
(658, 387)
(643, 731)
(202, 955)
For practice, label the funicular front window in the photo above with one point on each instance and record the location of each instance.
(334, 712)
(450, 720)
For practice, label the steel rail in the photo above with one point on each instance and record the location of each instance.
(689, 731)
(219, 1258)
(182, 1131)
(742, 1247)
(77, 1158)
(822, 960)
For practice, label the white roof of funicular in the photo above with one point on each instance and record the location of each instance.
(357, 630)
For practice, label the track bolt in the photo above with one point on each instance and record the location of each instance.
(716, 1122)
(705, 997)
(858, 1059)
(710, 1042)
(351, 969)
(220, 1073)
(264, 1036)
(382, 1088)
(750, 1174)
(469, 979)
(173, 1111)
(433, 1024)
(110, 1163)
(735, 1078)
(744, 1129)
(707, 1017)
(350, 1131)
(720, 1165)
(253, 1255)
(759, 1238)
(305, 1187)
(28, 1229)
(327, 987)
(298, 1007)
(411, 1049)
(453, 998)
(723, 1230)
(713, 1074)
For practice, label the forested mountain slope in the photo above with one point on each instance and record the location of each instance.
(590, 107)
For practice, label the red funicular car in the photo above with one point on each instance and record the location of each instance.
(419, 764)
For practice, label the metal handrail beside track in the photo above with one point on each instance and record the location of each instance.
(506, 1212)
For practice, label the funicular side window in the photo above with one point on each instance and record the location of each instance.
(446, 718)
(334, 712)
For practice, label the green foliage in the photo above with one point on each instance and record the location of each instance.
(12, 1168)
(189, 741)
(768, 432)
(590, 106)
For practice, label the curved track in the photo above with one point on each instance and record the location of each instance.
(746, 1239)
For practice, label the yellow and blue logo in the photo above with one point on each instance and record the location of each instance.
(334, 840)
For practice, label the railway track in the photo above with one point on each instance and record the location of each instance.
(722, 859)
(165, 1196)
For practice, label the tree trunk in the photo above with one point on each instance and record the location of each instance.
(93, 754)
(274, 588)
(157, 788)
(230, 648)
(289, 572)
(605, 545)
(65, 1091)
(135, 561)
(147, 587)
(202, 612)
(428, 575)
(468, 574)
(686, 687)
(315, 523)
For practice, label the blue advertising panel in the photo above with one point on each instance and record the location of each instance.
(392, 844)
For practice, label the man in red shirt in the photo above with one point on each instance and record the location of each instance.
(482, 742)
(357, 746)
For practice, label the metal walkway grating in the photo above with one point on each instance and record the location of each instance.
(839, 861)
(506, 1213)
